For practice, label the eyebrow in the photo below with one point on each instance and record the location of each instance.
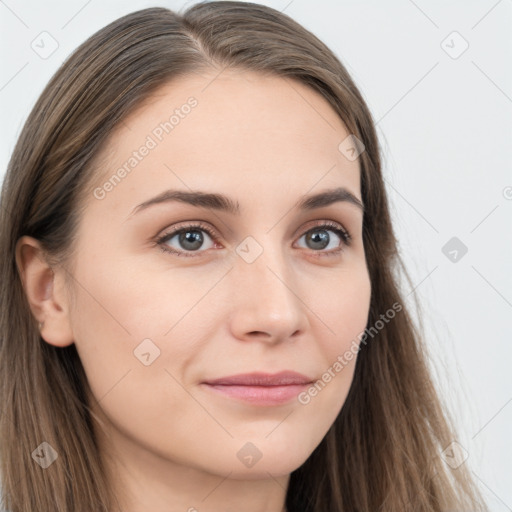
(221, 202)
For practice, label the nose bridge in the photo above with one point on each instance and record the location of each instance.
(266, 300)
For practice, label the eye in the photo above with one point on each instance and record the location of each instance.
(318, 239)
(190, 238)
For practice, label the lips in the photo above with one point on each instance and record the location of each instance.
(260, 389)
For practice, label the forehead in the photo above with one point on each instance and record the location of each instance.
(239, 132)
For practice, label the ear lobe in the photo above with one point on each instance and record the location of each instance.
(45, 291)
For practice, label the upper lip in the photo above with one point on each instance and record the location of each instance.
(284, 378)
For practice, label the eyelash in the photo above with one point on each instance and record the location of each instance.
(199, 226)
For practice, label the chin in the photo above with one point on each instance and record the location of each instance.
(270, 459)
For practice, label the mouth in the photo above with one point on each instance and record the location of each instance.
(261, 389)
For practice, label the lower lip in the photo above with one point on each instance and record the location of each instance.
(260, 395)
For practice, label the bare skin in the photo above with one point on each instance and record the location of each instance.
(173, 443)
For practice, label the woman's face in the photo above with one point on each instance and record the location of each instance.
(255, 283)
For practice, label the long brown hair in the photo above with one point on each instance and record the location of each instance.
(383, 452)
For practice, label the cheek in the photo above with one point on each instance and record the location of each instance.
(343, 309)
(127, 316)
(133, 370)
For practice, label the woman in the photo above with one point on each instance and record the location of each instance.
(200, 308)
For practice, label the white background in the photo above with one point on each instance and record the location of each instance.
(445, 125)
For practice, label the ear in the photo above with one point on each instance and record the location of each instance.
(46, 292)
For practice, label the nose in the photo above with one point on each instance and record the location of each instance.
(266, 301)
